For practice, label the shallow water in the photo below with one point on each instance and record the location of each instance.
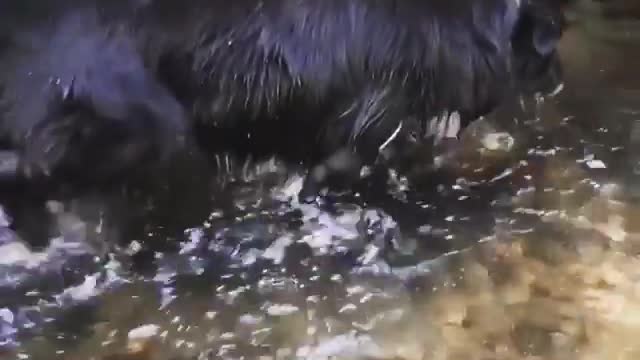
(528, 252)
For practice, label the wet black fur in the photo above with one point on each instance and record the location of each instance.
(312, 78)
(91, 84)
(77, 98)
(93, 89)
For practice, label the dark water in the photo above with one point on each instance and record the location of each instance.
(430, 268)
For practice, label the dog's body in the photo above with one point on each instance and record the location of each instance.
(335, 75)
(338, 83)
(93, 89)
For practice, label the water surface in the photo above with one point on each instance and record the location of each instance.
(522, 253)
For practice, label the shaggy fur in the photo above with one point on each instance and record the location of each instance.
(94, 88)
(77, 100)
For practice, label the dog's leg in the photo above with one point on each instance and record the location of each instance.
(367, 127)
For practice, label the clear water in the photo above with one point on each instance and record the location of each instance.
(525, 253)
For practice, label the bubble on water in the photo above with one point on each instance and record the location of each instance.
(143, 332)
(281, 309)
(276, 251)
(83, 292)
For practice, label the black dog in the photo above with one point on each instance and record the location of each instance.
(95, 87)
(92, 90)
(338, 84)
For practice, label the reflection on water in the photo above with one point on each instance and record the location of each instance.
(526, 251)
